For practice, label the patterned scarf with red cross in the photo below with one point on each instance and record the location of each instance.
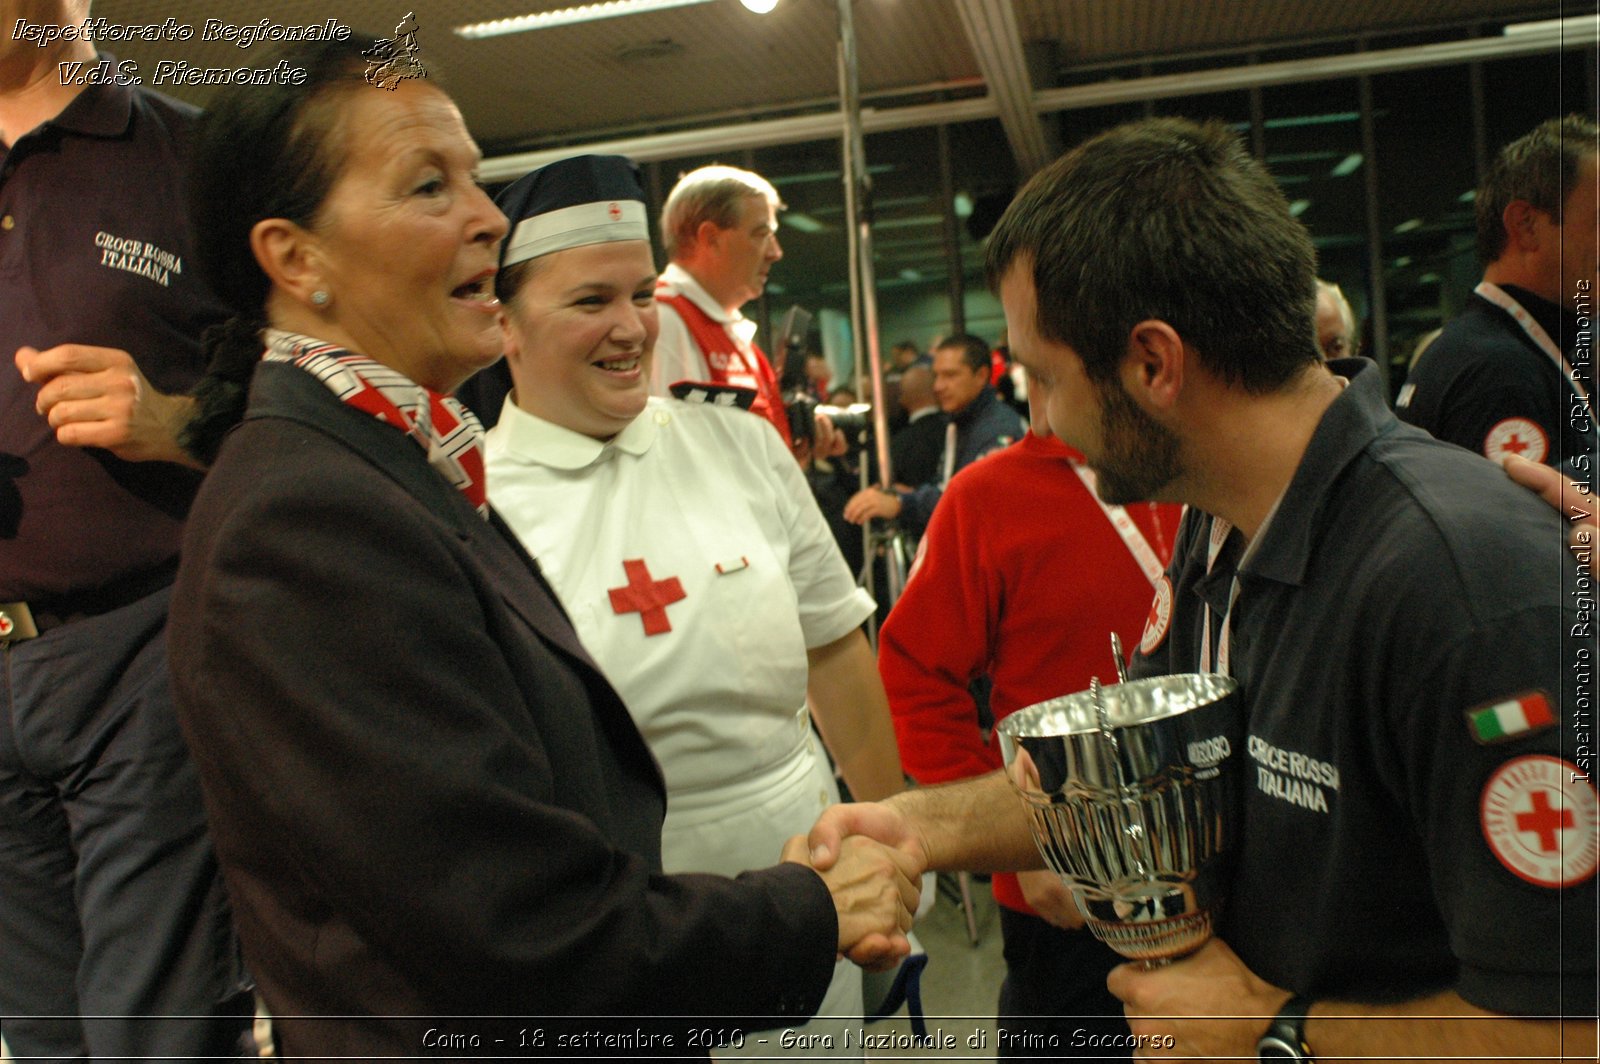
(447, 432)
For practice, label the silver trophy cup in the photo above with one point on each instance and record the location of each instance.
(1132, 788)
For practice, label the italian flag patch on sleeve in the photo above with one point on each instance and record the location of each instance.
(1509, 719)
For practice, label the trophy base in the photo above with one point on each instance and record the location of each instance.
(1155, 941)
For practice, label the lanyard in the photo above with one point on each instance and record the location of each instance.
(1138, 546)
(1541, 339)
(1219, 537)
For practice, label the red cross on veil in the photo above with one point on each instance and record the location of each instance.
(649, 598)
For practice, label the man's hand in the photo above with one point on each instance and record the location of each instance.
(868, 503)
(1575, 502)
(97, 397)
(1050, 898)
(872, 819)
(875, 890)
(1211, 983)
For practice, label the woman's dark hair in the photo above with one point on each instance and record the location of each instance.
(262, 151)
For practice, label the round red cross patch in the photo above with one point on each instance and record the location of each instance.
(1159, 620)
(1541, 822)
(1516, 436)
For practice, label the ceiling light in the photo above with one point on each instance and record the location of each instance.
(760, 7)
(962, 205)
(908, 274)
(1469, 196)
(1299, 121)
(1298, 207)
(1348, 165)
(802, 222)
(1579, 25)
(567, 16)
(1408, 225)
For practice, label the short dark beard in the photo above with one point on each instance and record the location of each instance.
(1140, 454)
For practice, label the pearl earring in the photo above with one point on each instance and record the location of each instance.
(320, 298)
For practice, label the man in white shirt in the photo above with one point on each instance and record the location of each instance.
(720, 229)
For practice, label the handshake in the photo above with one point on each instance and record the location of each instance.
(872, 864)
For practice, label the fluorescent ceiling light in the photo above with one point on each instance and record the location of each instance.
(1348, 165)
(1469, 196)
(1587, 25)
(825, 175)
(802, 222)
(909, 274)
(1279, 158)
(1300, 121)
(909, 223)
(962, 205)
(567, 16)
(1298, 207)
(1408, 225)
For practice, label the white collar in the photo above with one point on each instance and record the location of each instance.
(533, 439)
(927, 411)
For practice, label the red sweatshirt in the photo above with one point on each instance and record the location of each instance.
(1022, 577)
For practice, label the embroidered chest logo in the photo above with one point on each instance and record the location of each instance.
(1293, 777)
(646, 597)
(138, 256)
(1542, 820)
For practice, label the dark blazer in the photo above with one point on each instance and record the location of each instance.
(425, 797)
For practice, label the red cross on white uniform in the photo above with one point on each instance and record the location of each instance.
(649, 598)
(6, 624)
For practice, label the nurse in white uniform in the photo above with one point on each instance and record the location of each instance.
(684, 543)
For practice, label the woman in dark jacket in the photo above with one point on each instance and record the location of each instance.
(426, 799)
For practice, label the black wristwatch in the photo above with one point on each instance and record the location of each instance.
(1286, 1038)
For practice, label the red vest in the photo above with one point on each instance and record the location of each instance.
(729, 365)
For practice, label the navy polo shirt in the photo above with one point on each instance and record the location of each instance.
(1388, 848)
(1486, 386)
(95, 248)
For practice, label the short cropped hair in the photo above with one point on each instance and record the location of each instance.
(974, 351)
(1171, 220)
(709, 194)
(1540, 167)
